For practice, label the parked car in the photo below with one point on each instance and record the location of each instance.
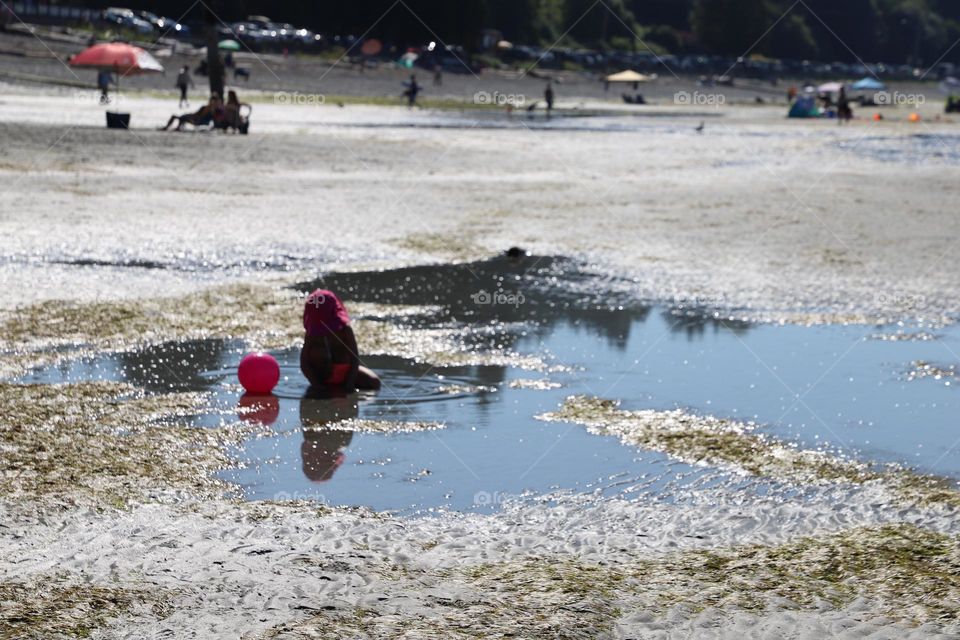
(126, 19)
(163, 25)
(246, 32)
(152, 18)
(260, 21)
(307, 38)
(451, 58)
(286, 32)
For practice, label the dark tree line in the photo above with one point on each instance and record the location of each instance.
(902, 31)
(899, 31)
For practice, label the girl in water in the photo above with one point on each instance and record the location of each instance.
(329, 357)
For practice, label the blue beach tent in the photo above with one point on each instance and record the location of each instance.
(868, 84)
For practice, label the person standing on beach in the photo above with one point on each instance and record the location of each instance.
(411, 92)
(104, 78)
(548, 97)
(437, 75)
(844, 111)
(184, 80)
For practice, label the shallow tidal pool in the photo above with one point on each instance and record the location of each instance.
(468, 438)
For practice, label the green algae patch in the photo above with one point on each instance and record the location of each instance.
(903, 572)
(907, 573)
(442, 347)
(227, 311)
(105, 445)
(904, 336)
(714, 441)
(264, 316)
(921, 369)
(47, 610)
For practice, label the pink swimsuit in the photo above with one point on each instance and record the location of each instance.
(339, 373)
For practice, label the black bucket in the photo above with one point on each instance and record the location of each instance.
(118, 120)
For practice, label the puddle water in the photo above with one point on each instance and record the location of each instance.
(585, 119)
(828, 387)
(913, 150)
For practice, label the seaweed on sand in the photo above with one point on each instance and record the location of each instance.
(547, 599)
(901, 571)
(54, 608)
(103, 444)
(262, 315)
(908, 573)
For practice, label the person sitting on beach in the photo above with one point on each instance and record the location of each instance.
(232, 119)
(329, 357)
(203, 116)
(231, 110)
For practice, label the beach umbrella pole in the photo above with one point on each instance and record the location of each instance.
(214, 68)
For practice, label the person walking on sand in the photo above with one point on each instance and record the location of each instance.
(548, 97)
(411, 91)
(184, 81)
(104, 78)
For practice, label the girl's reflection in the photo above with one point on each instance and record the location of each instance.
(323, 448)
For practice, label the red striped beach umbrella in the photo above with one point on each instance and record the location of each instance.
(118, 57)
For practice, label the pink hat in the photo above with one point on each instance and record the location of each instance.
(324, 314)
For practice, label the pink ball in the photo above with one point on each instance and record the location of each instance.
(259, 373)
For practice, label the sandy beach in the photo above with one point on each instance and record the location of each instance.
(118, 240)
(830, 224)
